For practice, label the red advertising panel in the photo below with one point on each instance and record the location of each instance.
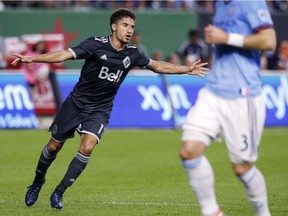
(42, 94)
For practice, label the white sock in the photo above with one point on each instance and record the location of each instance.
(201, 180)
(255, 187)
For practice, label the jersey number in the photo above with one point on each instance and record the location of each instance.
(245, 143)
(101, 129)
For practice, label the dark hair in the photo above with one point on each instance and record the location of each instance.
(119, 14)
(193, 33)
(34, 47)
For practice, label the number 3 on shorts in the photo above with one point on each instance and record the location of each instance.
(245, 143)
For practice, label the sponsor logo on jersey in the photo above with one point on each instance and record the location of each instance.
(127, 62)
(104, 74)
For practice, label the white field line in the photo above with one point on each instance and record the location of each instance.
(172, 204)
(149, 203)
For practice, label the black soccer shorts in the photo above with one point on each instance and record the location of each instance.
(71, 118)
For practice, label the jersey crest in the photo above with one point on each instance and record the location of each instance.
(127, 62)
(263, 15)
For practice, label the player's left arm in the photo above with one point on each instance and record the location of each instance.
(264, 39)
(197, 68)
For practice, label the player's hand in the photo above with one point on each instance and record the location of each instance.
(199, 69)
(21, 58)
(215, 35)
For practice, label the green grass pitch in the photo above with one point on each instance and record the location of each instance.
(134, 172)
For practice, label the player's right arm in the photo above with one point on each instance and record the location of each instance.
(52, 57)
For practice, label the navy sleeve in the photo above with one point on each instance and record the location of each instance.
(84, 49)
(141, 59)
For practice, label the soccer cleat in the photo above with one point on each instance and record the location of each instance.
(56, 200)
(33, 192)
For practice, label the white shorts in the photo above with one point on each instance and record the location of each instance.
(240, 121)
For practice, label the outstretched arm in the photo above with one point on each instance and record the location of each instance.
(197, 68)
(52, 57)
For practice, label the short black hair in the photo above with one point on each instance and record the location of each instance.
(119, 14)
(192, 33)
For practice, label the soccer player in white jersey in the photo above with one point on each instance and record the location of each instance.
(231, 103)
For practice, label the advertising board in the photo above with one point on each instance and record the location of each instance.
(16, 107)
(142, 101)
(145, 102)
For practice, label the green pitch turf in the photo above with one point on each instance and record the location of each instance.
(133, 173)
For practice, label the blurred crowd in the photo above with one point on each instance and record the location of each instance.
(104, 4)
(194, 47)
(205, 5)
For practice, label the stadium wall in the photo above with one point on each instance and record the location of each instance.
(149, 102)
(160, 30)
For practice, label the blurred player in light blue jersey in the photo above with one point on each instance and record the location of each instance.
(231, 103)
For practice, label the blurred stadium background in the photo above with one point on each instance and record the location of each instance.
(155, 102)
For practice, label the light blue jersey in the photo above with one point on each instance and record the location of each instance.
(236, 71)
